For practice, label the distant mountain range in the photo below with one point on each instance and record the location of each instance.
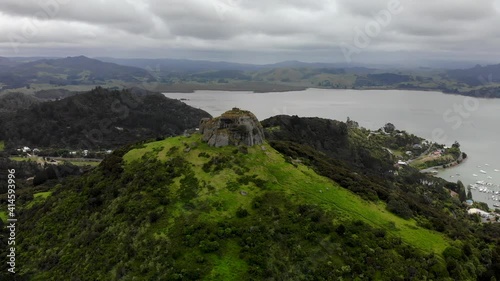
(478, 75)
(32, 75)
(188, 65)
(177, 65)
(180, 65)
(67, 71)
(6, 62)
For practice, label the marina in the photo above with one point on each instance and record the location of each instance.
(490, 189)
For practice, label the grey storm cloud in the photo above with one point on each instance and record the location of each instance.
(283, 29)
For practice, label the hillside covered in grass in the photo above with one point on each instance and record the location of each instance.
(178, 209)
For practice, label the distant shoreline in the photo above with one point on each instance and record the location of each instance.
(279, 88)
(250, 86)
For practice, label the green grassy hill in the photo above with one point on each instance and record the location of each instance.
(178, 209)
(298, 182)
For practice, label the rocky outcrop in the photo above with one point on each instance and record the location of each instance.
(235, 127)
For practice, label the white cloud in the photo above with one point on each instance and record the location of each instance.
(294, 27)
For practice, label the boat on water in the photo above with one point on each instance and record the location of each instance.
(474, 175)
(496, 170)
(489, 177)
(496, 205)
(483, 172)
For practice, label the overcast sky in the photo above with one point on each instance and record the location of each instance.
(257, 31)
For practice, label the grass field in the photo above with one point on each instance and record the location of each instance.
(42, 195)
(228, 267)
(85, 163)
(299, 182)
(22, 159)
(76, 163)
(428, 161)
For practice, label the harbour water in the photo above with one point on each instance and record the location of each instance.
(439, 117)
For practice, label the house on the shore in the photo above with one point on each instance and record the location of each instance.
(437, 153)
(480, 212)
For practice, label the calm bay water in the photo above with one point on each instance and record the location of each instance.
(471, 122)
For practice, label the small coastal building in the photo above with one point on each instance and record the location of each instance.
(481, 213)
(437, 153)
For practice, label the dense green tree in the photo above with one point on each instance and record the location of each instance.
(389, 128)
(469, 195)
(461, 191)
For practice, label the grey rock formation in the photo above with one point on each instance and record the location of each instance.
(235, 127)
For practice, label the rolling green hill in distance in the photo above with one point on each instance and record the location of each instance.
(80, 74)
